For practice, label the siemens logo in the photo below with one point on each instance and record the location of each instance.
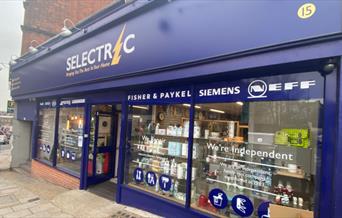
(102, 53)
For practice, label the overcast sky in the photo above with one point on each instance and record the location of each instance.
(11, 17)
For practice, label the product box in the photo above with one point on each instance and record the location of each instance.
(262, 138)
(195, 150)
(174, 148)
(184, 149)
(298, 137)
(162, 131)
(281, 138)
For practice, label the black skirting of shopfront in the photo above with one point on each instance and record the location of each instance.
(191, 110)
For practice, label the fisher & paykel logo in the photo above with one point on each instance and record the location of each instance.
(259, 88)
(104, 55)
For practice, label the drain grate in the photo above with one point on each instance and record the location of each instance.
(33, 199)
(122, 214)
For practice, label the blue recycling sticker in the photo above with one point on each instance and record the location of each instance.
(242, 205)
(218, 198)
(138, 175)
(165, 182)
(263, 210)
(151, 178)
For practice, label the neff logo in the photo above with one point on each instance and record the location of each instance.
(259, 88)
(102, 53)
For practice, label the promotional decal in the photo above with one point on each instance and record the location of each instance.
(138, 175)
(165, 182)
(218, 198)
(242, 205)
(151, 178)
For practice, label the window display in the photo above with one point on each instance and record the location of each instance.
(46, 134)
(252, 154)
(70, 138)
(157, 158)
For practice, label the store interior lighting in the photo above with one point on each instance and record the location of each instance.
(188, 105)
(140, 107)
(239, 103)
(217, 111)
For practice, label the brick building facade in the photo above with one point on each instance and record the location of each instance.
(44, 18)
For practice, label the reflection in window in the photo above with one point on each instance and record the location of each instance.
(70, 138)
(46, 134)
(265, 151)
(158, 140)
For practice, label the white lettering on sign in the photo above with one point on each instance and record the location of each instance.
(161, 95)
(259, 88)
(106, 52)
(251, 152)
(220, 91)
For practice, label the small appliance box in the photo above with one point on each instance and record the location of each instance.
(174, 148)
(262, 138)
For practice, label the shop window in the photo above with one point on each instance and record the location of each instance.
(158, 142)
(70, 138)
(254, 154)
(46, 134)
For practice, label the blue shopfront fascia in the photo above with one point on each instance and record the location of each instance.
(233, 56)
(163, 42)
(326, 180)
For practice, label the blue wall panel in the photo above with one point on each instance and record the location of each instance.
(175, 33)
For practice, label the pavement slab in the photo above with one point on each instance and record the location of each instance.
(24, 196)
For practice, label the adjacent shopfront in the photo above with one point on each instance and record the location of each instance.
(191, 117)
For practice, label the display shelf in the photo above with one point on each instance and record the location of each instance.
(243, 126)
(213, 121)
(44, 140)
(142, 145)
(151, 165)
(144, 189)
(68, 146)
(173, 136)
(241, 187)
(160, 156)
(163, 155)
(294, 175)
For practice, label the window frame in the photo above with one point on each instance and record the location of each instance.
(53, 163)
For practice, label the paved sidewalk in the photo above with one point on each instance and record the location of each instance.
(5, 156)
(24, 196)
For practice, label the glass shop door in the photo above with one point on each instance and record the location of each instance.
(101, 150)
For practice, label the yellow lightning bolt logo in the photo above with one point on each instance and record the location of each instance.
(117, 48)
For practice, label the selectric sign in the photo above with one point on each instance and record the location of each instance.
(106, 54)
